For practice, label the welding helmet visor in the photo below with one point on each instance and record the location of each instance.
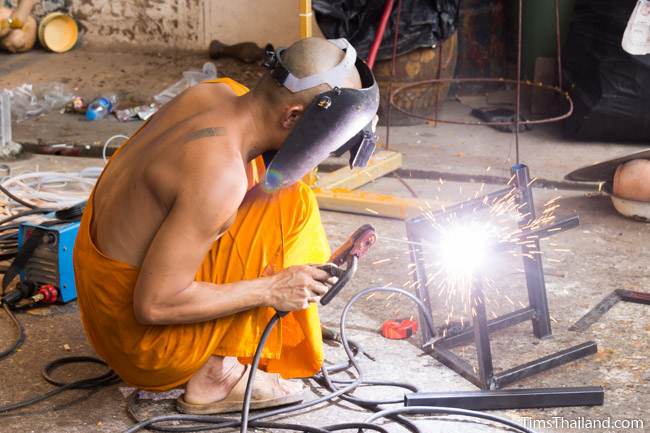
(336, 121)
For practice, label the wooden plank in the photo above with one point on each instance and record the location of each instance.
(374, 204)
(382, 163)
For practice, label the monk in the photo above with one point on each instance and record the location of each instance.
(181, 260)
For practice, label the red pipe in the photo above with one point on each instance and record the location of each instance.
(374, 48)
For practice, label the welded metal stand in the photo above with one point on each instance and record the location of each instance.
(537, 311)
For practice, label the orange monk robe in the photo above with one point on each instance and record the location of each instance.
(271, 232)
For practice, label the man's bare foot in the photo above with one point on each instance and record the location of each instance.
(214, 380)
(219, 375)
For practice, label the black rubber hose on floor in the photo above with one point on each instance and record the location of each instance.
(99, 381)
(210, 422)
(20, 339)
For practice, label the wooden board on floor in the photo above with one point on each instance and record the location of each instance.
(374, 204)
(382, 163)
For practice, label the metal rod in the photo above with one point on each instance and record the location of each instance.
(420, 279)
(481, 335)
(558, 42)
(518, 92)
(501, 322)
(533, 267)
(439, 75)
(547, 231)
(392, 71)
(457, 364)
(466, 206)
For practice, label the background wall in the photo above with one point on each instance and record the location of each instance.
(187, 23)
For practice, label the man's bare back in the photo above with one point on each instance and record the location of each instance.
(186, 139)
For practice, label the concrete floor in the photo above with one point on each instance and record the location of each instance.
(606, 252)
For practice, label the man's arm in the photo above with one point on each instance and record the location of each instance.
(166, 293)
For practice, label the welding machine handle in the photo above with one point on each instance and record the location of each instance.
(343, 280)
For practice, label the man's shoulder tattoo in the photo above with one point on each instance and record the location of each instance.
(205, 133)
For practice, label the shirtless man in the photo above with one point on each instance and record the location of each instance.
(177, 198)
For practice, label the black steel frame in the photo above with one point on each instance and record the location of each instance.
(537, 311)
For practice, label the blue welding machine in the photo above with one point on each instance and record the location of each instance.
(51, 261)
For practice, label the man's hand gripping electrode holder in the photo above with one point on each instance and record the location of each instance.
(356, 246)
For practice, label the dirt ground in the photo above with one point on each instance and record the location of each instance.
(134, 75)
(604, 253)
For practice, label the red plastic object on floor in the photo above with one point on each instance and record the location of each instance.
(399, 329)
(47, 293)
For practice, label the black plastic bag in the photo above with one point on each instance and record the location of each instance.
(423, 23)
(610, 88)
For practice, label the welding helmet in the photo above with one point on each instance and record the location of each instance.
(336, 121)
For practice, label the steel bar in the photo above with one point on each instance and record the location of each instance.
(392, 71)
(510, 398)
(457, 364)
(542, 364)
(598, 311)
(633, 296)
(501, 322)
(532, 264)
(420, 279)
(520, 12)
(549, 230)
(420, 226)
(481, 335)
(558, 43)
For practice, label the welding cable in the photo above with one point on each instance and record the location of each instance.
(20, 339)
(17, 199)
(107, 142)
(93, 382)
(434, 410)
(37, 211)
(47, 186)
(219, 422)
